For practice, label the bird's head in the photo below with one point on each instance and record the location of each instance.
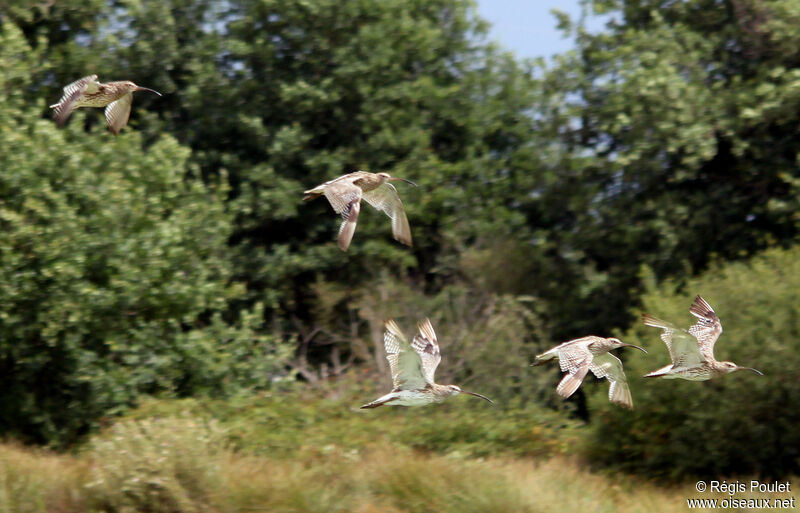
(728, 367)
(615, 343)
(386, 177)
(455, 389)
(133, 87)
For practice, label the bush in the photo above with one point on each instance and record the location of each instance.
(114, 277)
(736, 424)
(291, 423)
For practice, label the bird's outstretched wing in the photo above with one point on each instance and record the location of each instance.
(707, 329)
(427, 347)
(572, 379)
(72, 92)
(118, 112)
(683, 347)
(608, 366)
(574, 358)
(385, 198)
(404, 362)
(345, 198)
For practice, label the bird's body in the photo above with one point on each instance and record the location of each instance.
(692, 351)
(116, 97)
(345, 194)
(421, 397)
(701, 372)
(412, 366)
(578, 357)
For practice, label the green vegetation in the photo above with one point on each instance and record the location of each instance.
(177, 261)
(170, 460)
(758, 302)
(114, 273)
(283, 424)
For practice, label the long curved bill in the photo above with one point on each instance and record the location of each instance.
(637, 347)
(750, 369)
(139, 88)
(477, 395)
(402, 179)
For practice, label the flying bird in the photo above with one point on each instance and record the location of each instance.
(692, 351)
(577, 357)
(116, 97)
(345, 194)
(412, 366)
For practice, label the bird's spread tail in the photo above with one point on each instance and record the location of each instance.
(542, 359)
(384, 399)
(311, 194)
(655, 322)
(659, 372)
(373, 404)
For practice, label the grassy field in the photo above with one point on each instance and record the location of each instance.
(302, 453)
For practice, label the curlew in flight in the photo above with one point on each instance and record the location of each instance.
(345, 194)
(412, 366)
(116, 97)
(692, 351)
(577, 357)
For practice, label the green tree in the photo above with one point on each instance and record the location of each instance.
(407, 87)
(114, 278)
(673, 141)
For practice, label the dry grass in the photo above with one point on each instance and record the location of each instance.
(156, 465)
(385, 480)
(33, 481)
(564, 484)
(182, 465)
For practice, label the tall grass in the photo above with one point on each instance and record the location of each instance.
(33, 481)
(315, 457)
(156, 465)
(186, 465)
(384, 479)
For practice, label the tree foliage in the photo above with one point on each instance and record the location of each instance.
(114, 278)
(738, 424)
(281, 96)
(673, 141)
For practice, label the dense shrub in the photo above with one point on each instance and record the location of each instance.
(735, 424)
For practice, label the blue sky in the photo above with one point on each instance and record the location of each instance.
(526, 26)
